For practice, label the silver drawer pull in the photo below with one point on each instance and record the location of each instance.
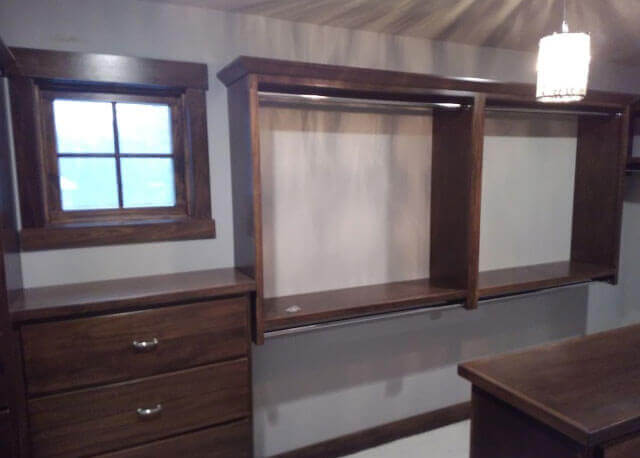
(152, 412)
(145, 345)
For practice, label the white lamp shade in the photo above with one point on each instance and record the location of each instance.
(563, 67)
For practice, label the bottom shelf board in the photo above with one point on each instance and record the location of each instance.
(347, 303)
(515, 280)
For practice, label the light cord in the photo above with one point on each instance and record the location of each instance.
(565, 24)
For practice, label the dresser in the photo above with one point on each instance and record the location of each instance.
(579, 398)
(5, 424)
(156, 366)
(8, 444)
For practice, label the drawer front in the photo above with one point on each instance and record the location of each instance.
(4, 386)
(5, 434)
(629, 447)
(4, 380)
(98, 350)
(103, 419)
(228, 441)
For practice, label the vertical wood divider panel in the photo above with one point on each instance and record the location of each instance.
(244, 139)
(597, 209)
(10, 287)
(477, 151)
(455, 198)
(626, 144)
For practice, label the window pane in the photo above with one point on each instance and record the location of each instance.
(144, 128)
(83, 127)
(88, 183)
(148, 182)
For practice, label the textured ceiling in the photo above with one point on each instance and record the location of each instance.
(614, 25)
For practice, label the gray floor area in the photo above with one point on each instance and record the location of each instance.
(449, 442)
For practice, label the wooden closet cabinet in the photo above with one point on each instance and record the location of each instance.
(457, 108)
(154, 366)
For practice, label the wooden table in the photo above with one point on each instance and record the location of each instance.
(577, 398)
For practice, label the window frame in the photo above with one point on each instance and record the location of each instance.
(42, 76)
(56, 215)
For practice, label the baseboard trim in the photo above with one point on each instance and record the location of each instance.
(368, 438)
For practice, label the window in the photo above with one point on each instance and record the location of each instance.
(118, 163)
(113, 155)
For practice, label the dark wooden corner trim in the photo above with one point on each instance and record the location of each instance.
(7, 59)
(197, 153)
(362, 440)
(108, 68)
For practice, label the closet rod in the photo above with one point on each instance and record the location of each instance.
(536, 292)
(360, 320)
(550, 111)
(281, 98)
(419, 311)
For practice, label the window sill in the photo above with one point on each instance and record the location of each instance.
(97, 234)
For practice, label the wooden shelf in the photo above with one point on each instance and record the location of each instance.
(63, 301)
(515, 280)
(346, 303)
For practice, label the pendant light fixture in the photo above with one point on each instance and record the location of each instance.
(563, 65)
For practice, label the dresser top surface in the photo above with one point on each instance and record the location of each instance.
(587, 387)
(63, 301)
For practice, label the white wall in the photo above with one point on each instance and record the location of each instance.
(325, 384)
(346, 198)
(534, 158)
(315, 386)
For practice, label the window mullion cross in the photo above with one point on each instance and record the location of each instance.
(117, 151)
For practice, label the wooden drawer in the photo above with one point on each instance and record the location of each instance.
(5, 434)
(98, 350)
(228, 441)
(629, 447)
(98, 420)
(4, 386)
(4, 380)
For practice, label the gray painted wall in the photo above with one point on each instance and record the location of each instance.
(324, 384)
(368, 176)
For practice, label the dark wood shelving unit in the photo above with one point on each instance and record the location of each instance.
(354, 302)
(456, 187)
(500, 282)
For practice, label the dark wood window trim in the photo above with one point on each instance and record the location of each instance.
(7, 59)
(50, 165)
(40, 75)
